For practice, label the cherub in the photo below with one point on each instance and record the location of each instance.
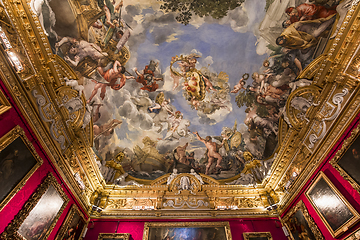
(208, 84)
(195, 103)
(239, 86)
(175, 120)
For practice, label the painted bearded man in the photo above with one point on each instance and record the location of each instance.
(307, 11)
(304, 34)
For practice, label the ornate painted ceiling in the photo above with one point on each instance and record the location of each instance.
(238, 96)
(186, 85)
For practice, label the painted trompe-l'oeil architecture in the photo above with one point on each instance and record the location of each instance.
(179, 119)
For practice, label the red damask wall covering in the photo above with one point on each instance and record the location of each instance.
(8, 121)
(136, 227)
(340, 183)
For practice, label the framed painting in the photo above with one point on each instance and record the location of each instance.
(18, 161)
(114, 236)
(73, 226)
(187, 230)
(335, 211)
(300, 224)
(347, 159)
(4, 103)
(257, 236)
(38, 217)
(354, 236)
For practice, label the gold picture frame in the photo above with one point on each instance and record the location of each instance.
(300, 214)
(256, 235)
(334, 210)
(4, 103)
(354, 235)
(35, 207)
(13, 141)
(344, 152)
(111, 236)
(171, 227)
(74, 225)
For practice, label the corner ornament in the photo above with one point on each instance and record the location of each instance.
(184, 181)
(337, 101)
(48, 114)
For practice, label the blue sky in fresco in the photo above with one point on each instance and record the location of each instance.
(232, 52)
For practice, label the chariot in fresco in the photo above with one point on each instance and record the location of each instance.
(214, 85)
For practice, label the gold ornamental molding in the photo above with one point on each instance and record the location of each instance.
(300, 209)
(48, 96)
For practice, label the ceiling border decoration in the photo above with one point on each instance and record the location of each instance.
(43, 93)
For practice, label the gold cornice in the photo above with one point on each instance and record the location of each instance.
(19, 89)
(45, 80)
(334, 134)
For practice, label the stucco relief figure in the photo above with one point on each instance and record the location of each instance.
(244, 179)
(73, 104)
(87, 115)
(301, 104)
(76, 103)
(198, 177)
(74, 84)
(299, 83)
(172, 176)
(120, 181)
(184, 183)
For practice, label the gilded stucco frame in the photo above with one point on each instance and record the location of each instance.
(149, 225)
(123, 236)
(327, 71)
(65, 226)
(5, 141)
(347, 224)
(354, 235)
(355, 133)
(11, 230)
(249, 235)
(310, 221)
(4, 103)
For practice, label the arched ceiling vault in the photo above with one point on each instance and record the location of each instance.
(116, 138)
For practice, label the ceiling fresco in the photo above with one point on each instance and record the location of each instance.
(187, 84)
